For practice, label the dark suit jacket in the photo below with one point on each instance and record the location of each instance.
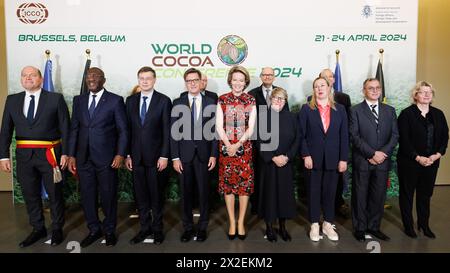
(152, 140)
(212, 95)
(51, 122)
(185, 149)
(260, 97)
(368, 137)
(413, 135)
(102, 137)
(331, 146)
(341, 98)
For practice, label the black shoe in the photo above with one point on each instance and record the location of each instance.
(57, 237)
(378, 234)
(271, 235)
(427, 232)
(360, 236)
(140, 237)
(158, 237)
(111, 239)
(285, 235)
(410, 232)
(92, 237)
(186, 236)
(34, 236)
(201, 236)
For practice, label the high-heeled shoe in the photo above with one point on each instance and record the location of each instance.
(231, 237)
(241, 236)
(427, 232)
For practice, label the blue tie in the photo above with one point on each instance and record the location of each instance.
(30, 113)
(194, 110)
(92, 106)
(143, 109)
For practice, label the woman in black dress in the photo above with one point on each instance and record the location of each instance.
(277, 151)
(423, 140)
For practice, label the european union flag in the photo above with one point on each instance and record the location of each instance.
(48, 82)
(337, 86)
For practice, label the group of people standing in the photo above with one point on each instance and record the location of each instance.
(251, 136)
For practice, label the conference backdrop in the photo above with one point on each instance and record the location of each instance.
(296, 38)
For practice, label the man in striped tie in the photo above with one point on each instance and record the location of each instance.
(374, 134)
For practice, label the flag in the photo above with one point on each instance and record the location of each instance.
(48, 86)
(48, 82)
(380, 77)
(84, 88)
(337, 86)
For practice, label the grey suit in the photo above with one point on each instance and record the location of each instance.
(370, 181)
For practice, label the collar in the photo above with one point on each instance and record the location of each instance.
(36, 93)
(98, 94)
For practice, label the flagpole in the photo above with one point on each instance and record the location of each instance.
(88, 53)
(337, 55)
(381, 51)
(47, 54)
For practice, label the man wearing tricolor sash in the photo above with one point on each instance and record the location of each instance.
(41, 123)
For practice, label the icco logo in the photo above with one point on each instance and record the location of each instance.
(232, 50)
(32, 13)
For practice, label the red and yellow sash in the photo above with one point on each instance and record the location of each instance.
(49, 153)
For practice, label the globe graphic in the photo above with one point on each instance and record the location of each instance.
(232, 50)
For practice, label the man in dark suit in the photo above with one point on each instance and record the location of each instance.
(193, 152)
(97, 146)
(341, 207)
(203, 91)
(374, 134)
(41, 122)
(148, 115)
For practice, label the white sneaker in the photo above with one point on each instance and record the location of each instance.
(314, 232)
(328, 229)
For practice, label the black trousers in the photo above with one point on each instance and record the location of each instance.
(321, 191)
(30, 174)
(420, 180)
(149, 194)
(93, 180)
(339, 201)
(368, 196)
(195, 172)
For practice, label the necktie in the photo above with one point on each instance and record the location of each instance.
(194, 110)
(268, 97)
(374, 112)
(30, 113)
(92, 106)
(143, 109)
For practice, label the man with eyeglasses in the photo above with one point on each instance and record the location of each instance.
(193, 152)
(148, 115)
(374, 135)
(203, 91)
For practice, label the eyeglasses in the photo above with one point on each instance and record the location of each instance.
(267, 75)
(374, 89)
(278, 99)
(194, 81)
(423, 93)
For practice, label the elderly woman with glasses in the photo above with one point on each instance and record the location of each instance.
(277, 150)
(423, 140)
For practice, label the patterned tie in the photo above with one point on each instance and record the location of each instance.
(194, 110)
(92, 106)
(374, 112)
(143, 109)
(268, 97)
(30, 113)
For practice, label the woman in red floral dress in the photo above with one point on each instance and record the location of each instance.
(235, 121)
